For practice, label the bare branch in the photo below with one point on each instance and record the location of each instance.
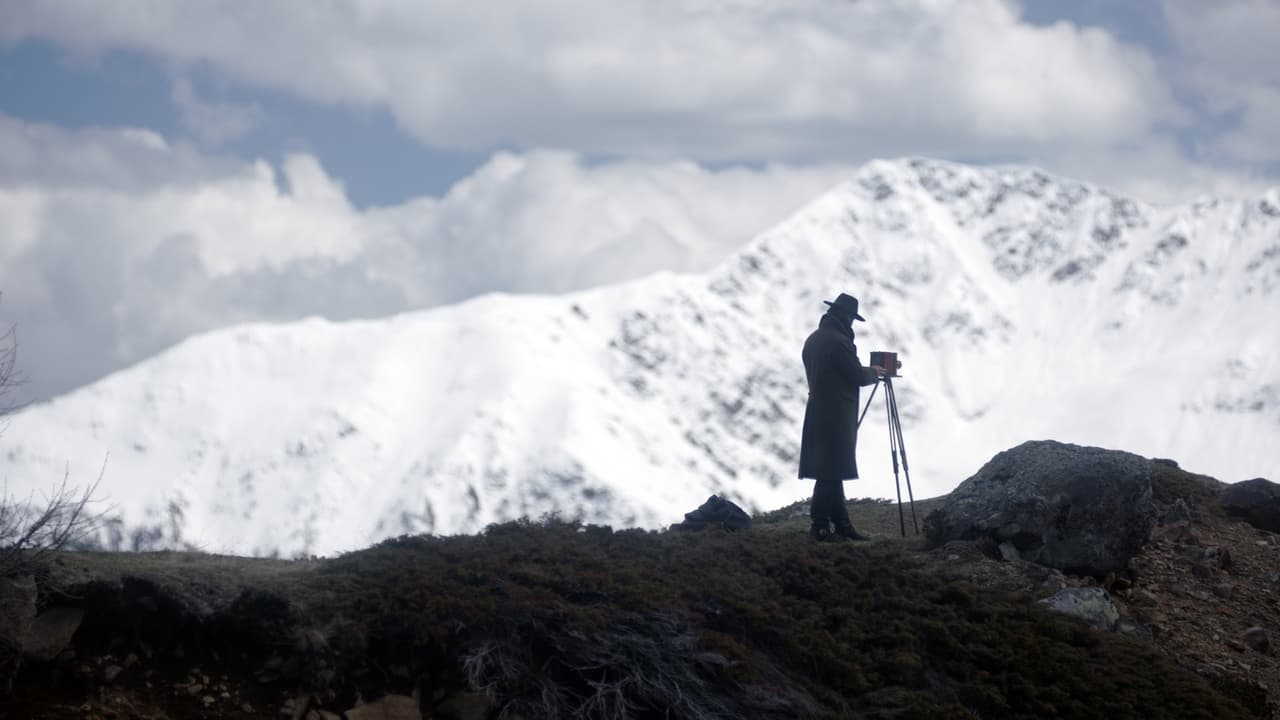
(32, 530)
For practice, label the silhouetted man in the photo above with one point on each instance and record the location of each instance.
(829, 444)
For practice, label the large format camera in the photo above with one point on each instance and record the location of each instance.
(888, 361)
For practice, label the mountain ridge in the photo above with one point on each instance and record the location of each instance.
(628, 404)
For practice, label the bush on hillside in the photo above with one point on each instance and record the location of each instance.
(561, 620)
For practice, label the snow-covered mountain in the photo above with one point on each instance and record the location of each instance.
(1024, 306)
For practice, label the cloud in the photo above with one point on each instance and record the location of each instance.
(125, 159)
(716, 80)
(1227, 57)
(106, 261)
(212, 121)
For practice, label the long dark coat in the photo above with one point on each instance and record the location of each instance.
(830, 439)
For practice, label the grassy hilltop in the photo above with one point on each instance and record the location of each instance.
(555, 619)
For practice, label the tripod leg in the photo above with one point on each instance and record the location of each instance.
(896, 427)
(867, 407)
(893, 451)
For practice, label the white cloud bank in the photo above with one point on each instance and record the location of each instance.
(735, 81)
(1230, 55)
(708, 80)
(115, 244)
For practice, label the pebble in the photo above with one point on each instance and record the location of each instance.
(1256, 638)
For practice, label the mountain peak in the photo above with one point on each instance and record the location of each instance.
(1024, 306)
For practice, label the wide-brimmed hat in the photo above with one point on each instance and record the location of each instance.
(846, 304)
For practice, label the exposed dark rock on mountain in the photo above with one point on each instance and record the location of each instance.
(1257, 501)
(1081, 509)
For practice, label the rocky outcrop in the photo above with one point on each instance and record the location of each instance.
(17, 612)
(1092, 604)
(51, 632)
(1255, 501)
(716, 512)
(1085, 510)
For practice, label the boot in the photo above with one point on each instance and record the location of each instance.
(847, 532)
(821, 533)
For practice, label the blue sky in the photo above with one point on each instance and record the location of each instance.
(169, 169)
(43, 82)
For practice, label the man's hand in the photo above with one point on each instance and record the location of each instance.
(879, 371)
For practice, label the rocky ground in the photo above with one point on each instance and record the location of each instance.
(1209, 592)
(1204, 590)
(378, 634)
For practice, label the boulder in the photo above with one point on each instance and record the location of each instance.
(465, 706)
(387, 707)
(715, 512)
(17, 612)
(1087, 603)
(1133, 628)
(51, 633)
(1256, 501)
(1083, 510)
(1256, 638)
